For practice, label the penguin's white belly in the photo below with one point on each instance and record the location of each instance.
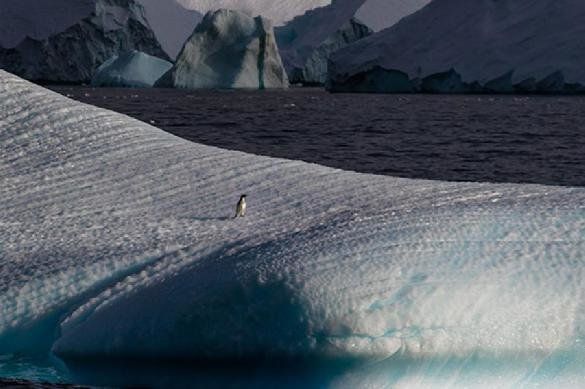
(241, 211)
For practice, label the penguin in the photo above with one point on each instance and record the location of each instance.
(241, 207)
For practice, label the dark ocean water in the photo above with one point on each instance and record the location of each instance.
(524, 139)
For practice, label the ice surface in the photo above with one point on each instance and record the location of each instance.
(117, 241)
(131, 69)
(229, 50)
(496, 44)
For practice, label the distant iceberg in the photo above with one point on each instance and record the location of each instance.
(131, 69)
(229, 50)
(459, 46)
(307, 41)
(117, 242)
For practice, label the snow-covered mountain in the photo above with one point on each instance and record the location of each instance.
(117, 241)
(54, 42)
(171, 22)
(460, 45)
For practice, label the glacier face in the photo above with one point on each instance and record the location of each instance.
(117, 242)
(504, 46)
(229, 50)
(71, 51)
(131, 69)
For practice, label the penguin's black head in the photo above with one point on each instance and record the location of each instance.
(244, 196)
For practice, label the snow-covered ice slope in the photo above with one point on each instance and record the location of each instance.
(496, 46)
(116, 240)
(131, 69)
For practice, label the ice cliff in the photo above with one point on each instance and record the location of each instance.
(307, 41)
(66, 43)
(117, 242)
(131, 69)
(471, 46)
(229, 50)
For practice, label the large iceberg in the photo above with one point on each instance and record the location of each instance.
(307, 41)
(229, 50)
(57, 41)
(117, 241)
(131, 69)
(472, 46)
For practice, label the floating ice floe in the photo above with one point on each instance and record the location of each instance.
(117, 241)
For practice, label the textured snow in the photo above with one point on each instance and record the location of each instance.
(171, 22)
(117, 241)
(131, 69)
(504, 43)
(229, 50)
